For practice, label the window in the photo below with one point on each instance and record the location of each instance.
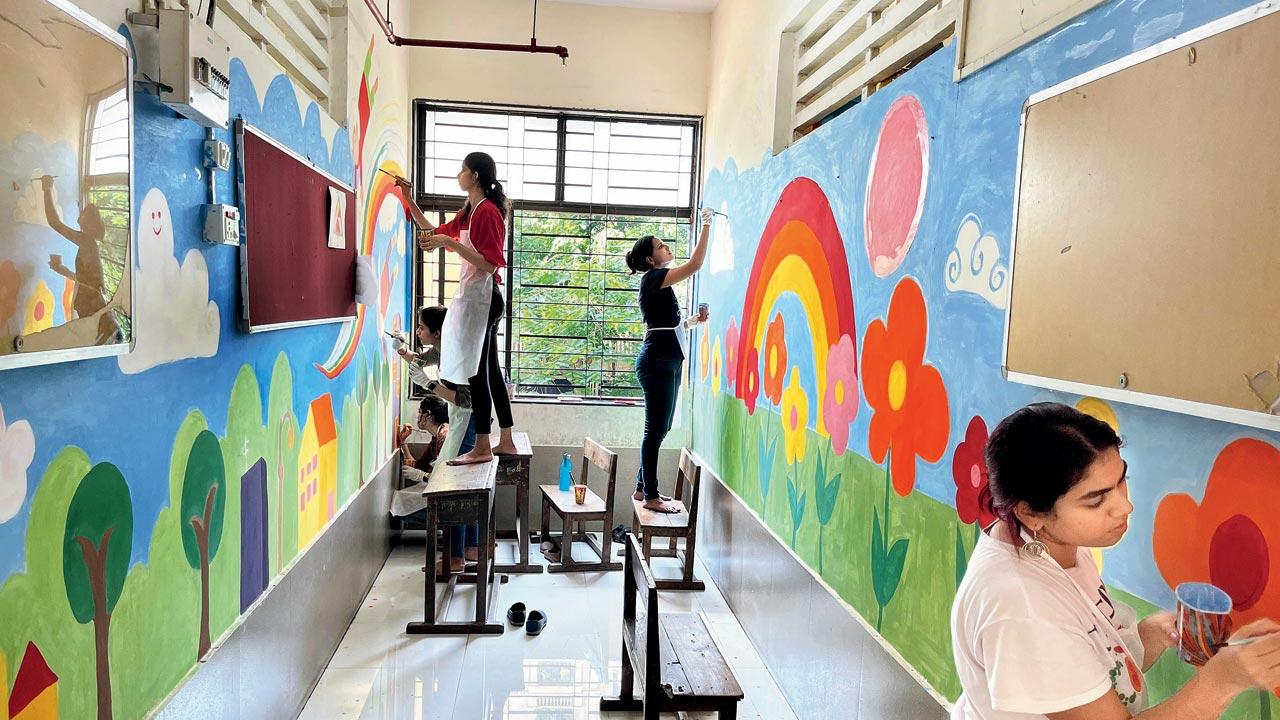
(584, 187)
(833, 56)
(107, 157)
(300, 36)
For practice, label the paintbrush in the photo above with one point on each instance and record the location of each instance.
(1243, 641)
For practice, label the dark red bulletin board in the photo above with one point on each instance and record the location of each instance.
(289, 274)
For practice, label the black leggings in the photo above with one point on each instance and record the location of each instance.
(488, 387)
(660, 380)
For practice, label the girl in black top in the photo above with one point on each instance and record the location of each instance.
(662, 354)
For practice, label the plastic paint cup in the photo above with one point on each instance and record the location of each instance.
(704, 311)
(1204, 621)
(580, 494)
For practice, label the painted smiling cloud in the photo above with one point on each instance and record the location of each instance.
(974, 264)
(174, 319)
(17, 448)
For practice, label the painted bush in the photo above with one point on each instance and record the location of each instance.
(889, 228)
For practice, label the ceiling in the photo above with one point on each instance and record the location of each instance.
(693, 6)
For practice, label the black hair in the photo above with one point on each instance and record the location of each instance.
(433, 317)
(486, 169)
(638, 256)
(436, 408)
(1037, 454)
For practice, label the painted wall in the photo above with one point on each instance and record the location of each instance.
(851, 372)
(147, 501)
(619, 58)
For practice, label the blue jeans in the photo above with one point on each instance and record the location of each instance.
(660, 380)
(465, 535)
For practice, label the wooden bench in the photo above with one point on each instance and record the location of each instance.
(651, 525)
(574, 517)
(672, 656)
(461, 495)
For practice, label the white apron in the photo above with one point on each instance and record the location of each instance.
(682, 337)
(465, 325)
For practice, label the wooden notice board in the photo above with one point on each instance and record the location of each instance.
(1146, 252)
(289, 274)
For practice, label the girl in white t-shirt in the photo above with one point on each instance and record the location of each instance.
(1034, 632)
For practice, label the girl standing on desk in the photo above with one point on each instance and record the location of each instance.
(1034, 631)
(478, 235)
(659, 363)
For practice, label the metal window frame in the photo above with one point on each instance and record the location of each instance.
(442, 204)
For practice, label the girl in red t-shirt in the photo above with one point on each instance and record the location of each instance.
(478, 235)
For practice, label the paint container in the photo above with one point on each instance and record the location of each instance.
(704, 311)
(580, 494)
(1204, 621)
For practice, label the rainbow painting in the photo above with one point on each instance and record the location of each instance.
(380, 188)
(802, 254)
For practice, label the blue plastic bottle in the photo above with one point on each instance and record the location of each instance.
(566, 473)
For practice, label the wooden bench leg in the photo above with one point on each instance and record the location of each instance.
(626, 701)
(546, 520)
(728, 712)
(566, 543)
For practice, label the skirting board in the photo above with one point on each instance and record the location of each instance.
(825, 661)
(267, 666)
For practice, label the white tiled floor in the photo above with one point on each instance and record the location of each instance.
(380, 673)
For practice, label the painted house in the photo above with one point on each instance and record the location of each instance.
(317, 470)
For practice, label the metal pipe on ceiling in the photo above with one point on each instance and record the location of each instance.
(532, 47)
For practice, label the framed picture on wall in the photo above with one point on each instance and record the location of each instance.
(66, 185)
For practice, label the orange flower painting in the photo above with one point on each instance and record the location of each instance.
(1223, 539)
(907, 396)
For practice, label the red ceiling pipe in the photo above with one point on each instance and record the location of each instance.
(532, 47)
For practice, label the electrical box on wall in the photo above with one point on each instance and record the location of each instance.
(222, 224)
(186, 61)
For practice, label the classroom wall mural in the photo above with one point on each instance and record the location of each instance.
(849, 378)
(147, 501)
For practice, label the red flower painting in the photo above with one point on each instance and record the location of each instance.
(969, 470)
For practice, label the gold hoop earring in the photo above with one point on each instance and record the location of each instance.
(1034, 548)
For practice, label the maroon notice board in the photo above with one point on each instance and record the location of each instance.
(289, 275)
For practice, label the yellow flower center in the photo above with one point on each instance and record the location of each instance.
(839, 392)
(773, 361)
(897, 385)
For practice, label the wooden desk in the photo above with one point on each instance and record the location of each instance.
(461, 495)
(513, 470)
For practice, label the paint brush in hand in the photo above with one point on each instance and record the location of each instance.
(1237, 642)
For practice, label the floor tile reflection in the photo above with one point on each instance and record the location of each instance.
(379, 673)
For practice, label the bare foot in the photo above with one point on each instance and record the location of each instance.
(505, 448)
(662, 506)
(456, 565)
(471, 458)
(472, 554)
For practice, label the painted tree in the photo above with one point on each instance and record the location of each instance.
(204, 500)
(96, 547)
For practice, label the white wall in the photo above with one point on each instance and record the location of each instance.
(619, 58)
(745, 36)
